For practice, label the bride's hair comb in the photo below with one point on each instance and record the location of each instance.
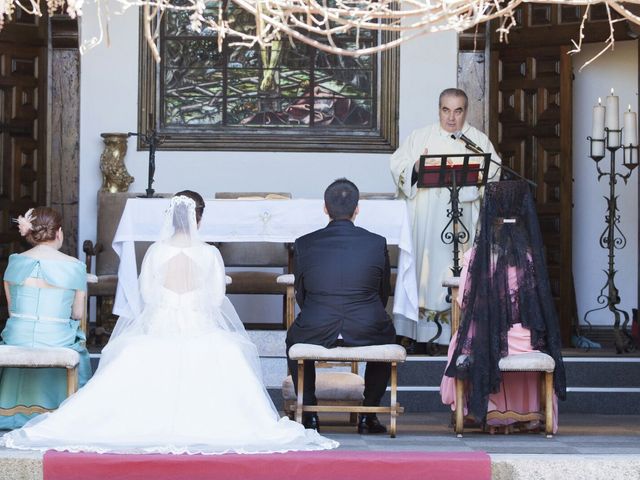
(197, 199)
(182, 200)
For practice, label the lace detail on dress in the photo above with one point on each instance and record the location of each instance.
(508, 244)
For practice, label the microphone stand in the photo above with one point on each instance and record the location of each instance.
(474, 148)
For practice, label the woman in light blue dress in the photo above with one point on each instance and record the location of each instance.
(45, 292)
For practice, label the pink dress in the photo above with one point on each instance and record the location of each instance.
(519, 391)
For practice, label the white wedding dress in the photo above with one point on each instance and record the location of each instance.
(181, 377)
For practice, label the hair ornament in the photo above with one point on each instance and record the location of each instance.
(182, 200)
(24, 222)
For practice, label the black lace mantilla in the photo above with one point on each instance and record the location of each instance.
(508, 240)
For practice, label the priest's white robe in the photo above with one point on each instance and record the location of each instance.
(428, 213)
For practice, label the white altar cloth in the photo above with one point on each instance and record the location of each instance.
(262, 221)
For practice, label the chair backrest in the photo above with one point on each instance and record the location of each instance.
(265, 195)
(85, 316)
(394, 251)
(377, 196)
(255, 254)
(110, 208)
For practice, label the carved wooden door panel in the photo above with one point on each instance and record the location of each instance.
(531, 128)
(23, 161)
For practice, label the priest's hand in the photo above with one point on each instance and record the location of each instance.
(416, 166)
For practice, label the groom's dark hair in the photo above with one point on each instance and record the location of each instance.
(341, 199)
(197, 198)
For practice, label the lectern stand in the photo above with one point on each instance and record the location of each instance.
(454, 171)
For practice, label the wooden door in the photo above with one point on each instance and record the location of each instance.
(23, 160)
(531, 127)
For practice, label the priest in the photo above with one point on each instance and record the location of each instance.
(428, 206)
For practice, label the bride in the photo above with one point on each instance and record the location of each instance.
(181, 377)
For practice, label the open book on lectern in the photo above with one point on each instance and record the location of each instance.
(453, 170)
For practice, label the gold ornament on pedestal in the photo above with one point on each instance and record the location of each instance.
(115, 177)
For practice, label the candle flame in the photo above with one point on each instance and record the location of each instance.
(611, 90)
(599, 101)
(629, 107)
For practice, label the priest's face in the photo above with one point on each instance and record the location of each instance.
(453, 113)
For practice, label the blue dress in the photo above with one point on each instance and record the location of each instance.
(41, 317)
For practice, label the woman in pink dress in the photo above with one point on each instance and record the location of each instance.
(507, 308)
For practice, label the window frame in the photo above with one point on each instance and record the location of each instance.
(384, 139)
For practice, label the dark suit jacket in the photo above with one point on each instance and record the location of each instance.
(342, 286)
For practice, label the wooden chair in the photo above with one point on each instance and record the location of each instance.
(42, 357)
(333, 388)
(392, 354)
(254, 260)
(105, 260)
(524, 362)
(336, 388)
(287, 281)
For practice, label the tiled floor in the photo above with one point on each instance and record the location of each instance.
(578, 434)
(593, 447)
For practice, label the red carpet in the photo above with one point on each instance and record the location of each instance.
(327, 465)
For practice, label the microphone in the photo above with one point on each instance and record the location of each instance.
(468, 143)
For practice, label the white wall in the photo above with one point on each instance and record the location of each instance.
(109, 103)
(617, 69)
(109, 98)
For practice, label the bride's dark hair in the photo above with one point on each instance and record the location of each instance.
(197, 198)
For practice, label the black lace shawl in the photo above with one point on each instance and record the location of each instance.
(489, 309)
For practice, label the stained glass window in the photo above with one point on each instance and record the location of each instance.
(284, 96)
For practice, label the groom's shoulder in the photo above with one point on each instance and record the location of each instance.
(310, 237)
(365, 235)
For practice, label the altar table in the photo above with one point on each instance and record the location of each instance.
(262, 221)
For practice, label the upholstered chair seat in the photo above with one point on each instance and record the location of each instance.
(527, 362)
(26, 357)
(331, 386)
(371, 353)
(340, 391)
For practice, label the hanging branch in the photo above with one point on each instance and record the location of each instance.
(318, 22)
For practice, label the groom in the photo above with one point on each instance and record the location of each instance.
(342, 286)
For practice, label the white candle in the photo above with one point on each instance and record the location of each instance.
(630, 128)
(612, 121)
(613, 112)
(597, 148)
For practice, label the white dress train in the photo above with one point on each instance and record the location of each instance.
(182, 377)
